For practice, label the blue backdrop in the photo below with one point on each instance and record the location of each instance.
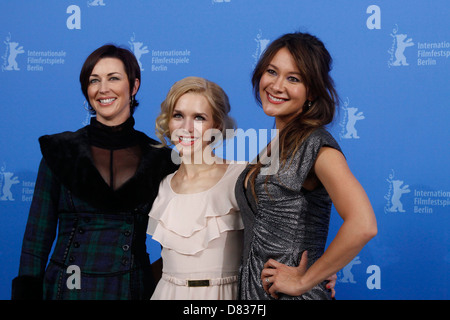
(391, 68)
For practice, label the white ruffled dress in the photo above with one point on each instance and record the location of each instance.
(201, 235)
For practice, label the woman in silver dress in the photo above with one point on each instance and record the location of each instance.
(286, 214)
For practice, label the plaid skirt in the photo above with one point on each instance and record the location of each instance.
(97, 258)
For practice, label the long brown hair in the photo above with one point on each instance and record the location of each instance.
(314, 63)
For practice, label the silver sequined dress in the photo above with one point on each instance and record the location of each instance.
(286, 220)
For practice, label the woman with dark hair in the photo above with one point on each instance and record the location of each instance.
(286, 214)
(97, 185)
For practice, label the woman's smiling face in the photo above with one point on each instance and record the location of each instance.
(281, 89)
(109, 91)
(191, 119)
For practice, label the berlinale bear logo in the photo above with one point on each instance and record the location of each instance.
(12, 50)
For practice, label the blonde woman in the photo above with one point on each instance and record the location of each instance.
(195, 216)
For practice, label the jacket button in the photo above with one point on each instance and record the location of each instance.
(124, 261)
(125, 247)
(80, 230)
(127, 233)
(76, 244)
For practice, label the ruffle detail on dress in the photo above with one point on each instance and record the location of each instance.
(200, 239)
(186, 223)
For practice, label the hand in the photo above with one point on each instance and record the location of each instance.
(331, 284)
(277, 277)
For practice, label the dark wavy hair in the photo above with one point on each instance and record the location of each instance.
(314, 63)
(129, 61)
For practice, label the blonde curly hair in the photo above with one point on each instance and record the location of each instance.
(216, 96)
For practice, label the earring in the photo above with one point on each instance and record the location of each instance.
(88, 108)
(307, 105)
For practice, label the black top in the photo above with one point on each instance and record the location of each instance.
(114, 167)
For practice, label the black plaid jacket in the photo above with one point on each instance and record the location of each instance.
(101, 231)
